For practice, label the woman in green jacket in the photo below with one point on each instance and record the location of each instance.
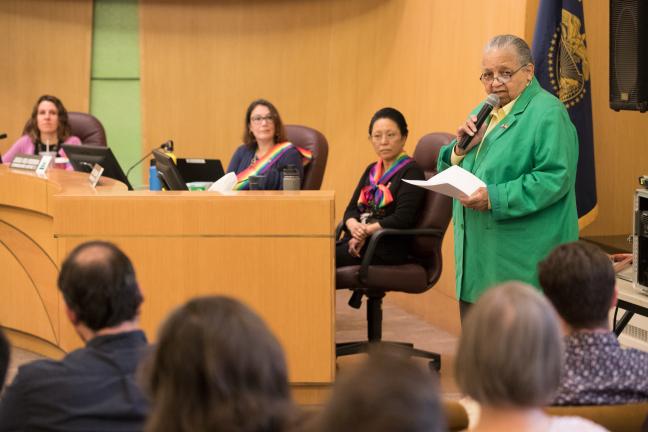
(526, 153)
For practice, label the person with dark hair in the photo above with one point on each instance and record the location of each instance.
(386, 393)
(92, 388)
(381, 199)
(5, 356)
(45, 131)
(217, 367)
(579, 280)
(510, 359)
(265, 150)
(526, 152)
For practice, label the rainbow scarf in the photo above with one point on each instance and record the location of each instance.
(377, 194)
(266, 162)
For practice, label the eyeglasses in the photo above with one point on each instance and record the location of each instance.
(503, 78)
(391, 136)
(260, 119)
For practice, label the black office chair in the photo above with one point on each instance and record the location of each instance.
(415, 277)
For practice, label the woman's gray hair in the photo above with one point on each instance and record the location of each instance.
(510, 351)
(517, 43)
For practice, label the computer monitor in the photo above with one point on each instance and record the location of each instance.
(168, 172)
(200, 170)
(83, 158)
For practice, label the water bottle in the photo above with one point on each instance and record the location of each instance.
(291, 180)
(154, 181)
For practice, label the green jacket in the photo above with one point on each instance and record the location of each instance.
(529, 164)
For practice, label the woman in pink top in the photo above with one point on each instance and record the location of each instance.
(46, 130)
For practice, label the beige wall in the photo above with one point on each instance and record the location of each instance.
(45, 49)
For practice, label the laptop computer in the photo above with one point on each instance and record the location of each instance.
(200, 170)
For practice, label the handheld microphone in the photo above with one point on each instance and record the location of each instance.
(3, 135)
(166, 146)
(491, 102)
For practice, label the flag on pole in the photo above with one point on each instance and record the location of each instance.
(562, 68)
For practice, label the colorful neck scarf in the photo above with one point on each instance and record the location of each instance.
(377, 194)
(266, 162)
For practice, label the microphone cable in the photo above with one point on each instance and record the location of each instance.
(166, 146)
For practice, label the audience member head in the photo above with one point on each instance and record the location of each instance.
(510, 351)
(578, 279)
(4, 357)
(263, 123)
(386, 393)
(217, 367)
(388, 133)
(98, 283)
(48, 117)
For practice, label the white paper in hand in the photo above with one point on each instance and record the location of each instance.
(224, 184)
(455, 182)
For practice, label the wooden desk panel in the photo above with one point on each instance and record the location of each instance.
(29, 260)
(272, 250)
(198, 214)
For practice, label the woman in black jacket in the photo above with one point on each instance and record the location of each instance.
(382, 199)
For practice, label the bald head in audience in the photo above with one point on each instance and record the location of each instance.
(92, 387)
(98, 284)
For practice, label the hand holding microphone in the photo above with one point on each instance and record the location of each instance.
(472, 131)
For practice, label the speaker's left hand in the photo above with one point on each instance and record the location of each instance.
(477, 201)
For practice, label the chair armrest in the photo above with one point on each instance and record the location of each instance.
(338, 230)
(378, 235)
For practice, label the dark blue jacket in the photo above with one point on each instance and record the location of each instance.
(91, 389)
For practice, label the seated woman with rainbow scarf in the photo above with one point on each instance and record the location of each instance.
(381, 199)
(265, 150)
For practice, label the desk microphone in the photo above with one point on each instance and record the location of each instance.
(491, 102)
(3, 135)
(167, 146)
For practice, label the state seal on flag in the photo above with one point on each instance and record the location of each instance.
(567, 60)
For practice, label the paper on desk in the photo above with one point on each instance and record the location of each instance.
(224, 184)
(455, 182)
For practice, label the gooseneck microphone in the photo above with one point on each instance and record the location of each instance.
(166, 146)
(491, 102)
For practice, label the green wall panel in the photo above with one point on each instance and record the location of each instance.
(115, 39)
(115, 81)
(117, 105)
